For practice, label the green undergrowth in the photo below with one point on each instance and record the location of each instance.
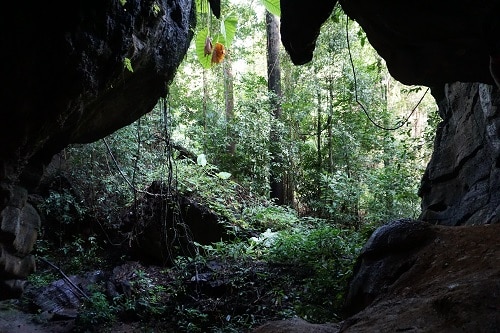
(278, 265)
(235, 286)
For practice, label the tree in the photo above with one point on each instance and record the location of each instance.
(229, 103)
(274, 86)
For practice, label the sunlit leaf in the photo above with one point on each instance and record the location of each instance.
(200, 41)
(128, 65)
(224, 175)
(273, 6)
(201, 160)
(228, 29)
(202, 6)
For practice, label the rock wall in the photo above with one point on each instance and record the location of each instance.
(65, 80)
(461, 185)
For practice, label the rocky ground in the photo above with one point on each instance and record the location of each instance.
(450, 283)
(453, 285)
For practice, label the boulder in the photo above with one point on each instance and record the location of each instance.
(74, 75)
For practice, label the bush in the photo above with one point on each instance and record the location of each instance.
(326, 257)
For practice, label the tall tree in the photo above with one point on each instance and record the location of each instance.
(229, 103)
(274, 88)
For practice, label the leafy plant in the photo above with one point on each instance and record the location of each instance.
(127, 63)
(326, 256)
(273, 6)
(97, 313)
(270, 217)
(64, 207)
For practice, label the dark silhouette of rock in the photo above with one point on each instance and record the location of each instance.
(462, 182)
(74, 75)
(164, 223)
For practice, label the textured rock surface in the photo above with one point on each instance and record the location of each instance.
(424, 42)
(450, 283)
(185, 219)
(462, 182)
(296, 325)
(389, 253)
(64, 81)
(431, 42)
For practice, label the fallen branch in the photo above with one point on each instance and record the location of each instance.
(66, 278)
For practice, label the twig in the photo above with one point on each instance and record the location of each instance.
(65, 277)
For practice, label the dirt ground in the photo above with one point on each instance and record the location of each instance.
(454, 286)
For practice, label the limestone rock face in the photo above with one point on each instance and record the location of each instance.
(462, 182)
(445, 280)
(431, 42)
(423, 42)
(74, 73)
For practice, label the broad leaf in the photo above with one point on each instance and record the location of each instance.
(202, 6)
(201, 160)
(228, 29)
(224, 175)
(201, 37)
(273, 6)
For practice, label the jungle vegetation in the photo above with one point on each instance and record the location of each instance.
(323, 153)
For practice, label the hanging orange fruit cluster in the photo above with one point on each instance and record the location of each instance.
(218, 51)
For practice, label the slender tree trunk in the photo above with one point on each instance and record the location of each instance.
(274, 87)
(204, 109)
(229, 99)
(319, 157)
(330, 125)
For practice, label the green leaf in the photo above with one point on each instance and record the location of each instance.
(228, 29)
(205, 60)
(128, 65)
(273, 6)
(224, 175)
(201, 160)
(202, 6)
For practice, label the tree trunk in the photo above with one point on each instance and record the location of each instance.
(274, 87)
(330, 125)
(319, 157)
(229, 101)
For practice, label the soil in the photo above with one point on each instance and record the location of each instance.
(453, 286)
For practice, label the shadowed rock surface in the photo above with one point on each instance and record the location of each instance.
(65, 80)
(462, 182)
(445, 279)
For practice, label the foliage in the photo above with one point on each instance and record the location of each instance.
(273, 6)
(97, 313)
(272, 217)
(128, 64)
(326, 255)
(63, 207)
(346, 175)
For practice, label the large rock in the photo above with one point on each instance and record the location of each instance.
(416, 277)
(447, 281)
(163, 224)
(423, 42)
(74, 74)
(462, 182)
